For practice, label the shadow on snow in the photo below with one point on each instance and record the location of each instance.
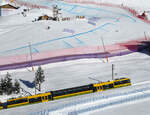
(28, 83)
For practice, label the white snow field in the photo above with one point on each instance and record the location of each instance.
(118, 28)
(78, 37)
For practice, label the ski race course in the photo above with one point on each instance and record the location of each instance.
(115, 26)
(94, 30)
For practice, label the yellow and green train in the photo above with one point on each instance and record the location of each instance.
(53, 95)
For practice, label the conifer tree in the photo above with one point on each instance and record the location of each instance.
(8, 86)
(39, 77)
(4, 85)
(1, 86)
(16, 87)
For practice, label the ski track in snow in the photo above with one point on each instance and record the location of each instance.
(97, 101)
(67, 9)
(94, 101)
(61, 38)
(73, 7)
(104, 26)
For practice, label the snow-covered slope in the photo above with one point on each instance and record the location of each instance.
(110, 24)
(114, 25)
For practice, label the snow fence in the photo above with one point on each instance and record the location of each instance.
(34, 4)
(99, 3)
(21, 61)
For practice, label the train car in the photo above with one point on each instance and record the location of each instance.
(122, 82)
(43, 97)
(103, 86)
(52, 95)
(1, 106)
(72, 91)
(112, 84)
(17, 102)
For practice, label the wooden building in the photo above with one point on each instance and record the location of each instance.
(8, 6)
(7, 9)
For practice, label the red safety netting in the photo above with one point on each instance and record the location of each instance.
(110, 49)
(93, 51)
(133, 11)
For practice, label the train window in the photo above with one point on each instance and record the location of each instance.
(105, 87)
(49, 96)
(85, 88)
(126, 81)
(21, 100)
(46, 97)
(11, 102)
(58, 93)
(117, 83)
(66, 92)
(37, 99)
(72, 90)
(108, 86)
(17, 101)
(111, 85)
(79, 90)
(122, 82)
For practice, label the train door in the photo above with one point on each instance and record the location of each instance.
(5, 105)
(99, 88)
(45, 98)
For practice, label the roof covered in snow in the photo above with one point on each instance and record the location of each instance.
(3, 3)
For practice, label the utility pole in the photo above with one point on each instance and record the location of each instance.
(31, 63)
(35, 86)
(104, 49)
(31, 56)
(112, 71)
(145, 36)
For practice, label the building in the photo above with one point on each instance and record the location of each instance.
(8, 6)
(7, 9)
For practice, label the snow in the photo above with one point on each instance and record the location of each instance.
(2, 2)
(123, 27)
(107, 26)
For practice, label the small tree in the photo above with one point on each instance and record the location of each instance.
(8, 86)
(1, 87)
(39, 77)
(16, 87)
(4, 85)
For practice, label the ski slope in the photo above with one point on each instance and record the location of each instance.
(76, 73)
(110, 24)
(117, 27)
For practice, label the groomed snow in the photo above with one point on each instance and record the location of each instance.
(129, 100)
